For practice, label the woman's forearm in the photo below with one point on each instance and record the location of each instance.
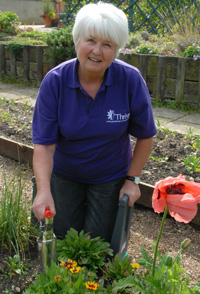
(43, 165)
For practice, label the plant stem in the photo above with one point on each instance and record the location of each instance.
(158, 239)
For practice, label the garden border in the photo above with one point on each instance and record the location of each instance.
(167, 77)
(24, 153)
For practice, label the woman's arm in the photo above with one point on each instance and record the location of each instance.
(140, 155)
(42, 166)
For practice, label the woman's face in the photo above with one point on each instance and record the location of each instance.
(95, 54)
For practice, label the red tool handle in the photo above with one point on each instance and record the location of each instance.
(48, 213)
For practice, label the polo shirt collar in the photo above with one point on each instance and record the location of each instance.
(73, 81)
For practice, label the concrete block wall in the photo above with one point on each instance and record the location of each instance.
(29, 11)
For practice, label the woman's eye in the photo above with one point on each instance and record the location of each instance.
(107, 45)
(90, 40)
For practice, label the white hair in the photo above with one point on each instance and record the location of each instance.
(103, 20)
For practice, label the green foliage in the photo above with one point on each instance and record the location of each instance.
(122, 277)
(196, 143)
(192, 162)
(185, 22)
(17, 45)
(118, 269)
(146, 49)
(14, 265)
(47, 6)
(169, 276)
(133, 41)
(32, 34)
(16, 231)
(9, 22)
(85, 250)
(190, 133)
(192, 51)
(58, 279)
(60, 45)
(52, 14)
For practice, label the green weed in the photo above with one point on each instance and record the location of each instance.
(14, 265)
(16, 230)
(192, 163)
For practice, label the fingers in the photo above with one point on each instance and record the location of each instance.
(40, 204)
(132, 190)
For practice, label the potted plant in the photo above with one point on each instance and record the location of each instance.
(49, 13)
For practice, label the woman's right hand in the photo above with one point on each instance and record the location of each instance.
(40, 203)
(42, 166)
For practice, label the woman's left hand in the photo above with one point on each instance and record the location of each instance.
(132, 190)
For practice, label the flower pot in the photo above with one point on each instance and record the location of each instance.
(47, 20)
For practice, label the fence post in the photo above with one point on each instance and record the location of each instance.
(39, 62)
(2, 61)
(12, 64)
(26, 58)
(143, 66)
(160, 87)
(199, 87)
(180, 80)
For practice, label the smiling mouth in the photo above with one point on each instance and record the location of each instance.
(94, 60)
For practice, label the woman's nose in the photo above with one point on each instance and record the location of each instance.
(97, 49)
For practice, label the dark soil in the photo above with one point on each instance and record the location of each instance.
(166, 159)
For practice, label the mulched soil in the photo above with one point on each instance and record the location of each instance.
(166, 159)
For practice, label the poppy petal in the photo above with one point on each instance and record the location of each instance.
(182, 208)
(158, 201)
(192, 188)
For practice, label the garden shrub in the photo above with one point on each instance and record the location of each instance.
(9, 21)
(32, 34)
(60, 45)
(192, 51)
(16, 45)
(146, 49)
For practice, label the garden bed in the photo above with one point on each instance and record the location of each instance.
(166, 160)
(144, 228)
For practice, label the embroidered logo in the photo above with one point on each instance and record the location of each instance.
(117, 117)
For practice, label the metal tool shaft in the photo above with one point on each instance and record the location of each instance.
(47, 244)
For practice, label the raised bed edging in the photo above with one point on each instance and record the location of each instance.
(24, 153)
(175, 78)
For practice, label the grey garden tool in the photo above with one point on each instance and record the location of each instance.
(121, 231)
(47, 241)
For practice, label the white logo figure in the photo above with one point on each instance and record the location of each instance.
(110, 114)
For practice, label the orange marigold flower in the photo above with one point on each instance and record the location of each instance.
(135, 265)
(179, 195)
(69, 264)
(57, 278)
(92, 286)
(75, 270)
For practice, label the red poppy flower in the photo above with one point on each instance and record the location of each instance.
(179, 195)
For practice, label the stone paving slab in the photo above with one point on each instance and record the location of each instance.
(18, 93)
(178, 121)
(172, 119)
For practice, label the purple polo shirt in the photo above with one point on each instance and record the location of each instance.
(92, 136)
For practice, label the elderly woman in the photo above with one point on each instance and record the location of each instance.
(85, 112)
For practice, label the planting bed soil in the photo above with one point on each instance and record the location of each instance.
(166, 160)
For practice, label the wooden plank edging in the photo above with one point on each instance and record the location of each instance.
(16, 151)
(24, 153)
